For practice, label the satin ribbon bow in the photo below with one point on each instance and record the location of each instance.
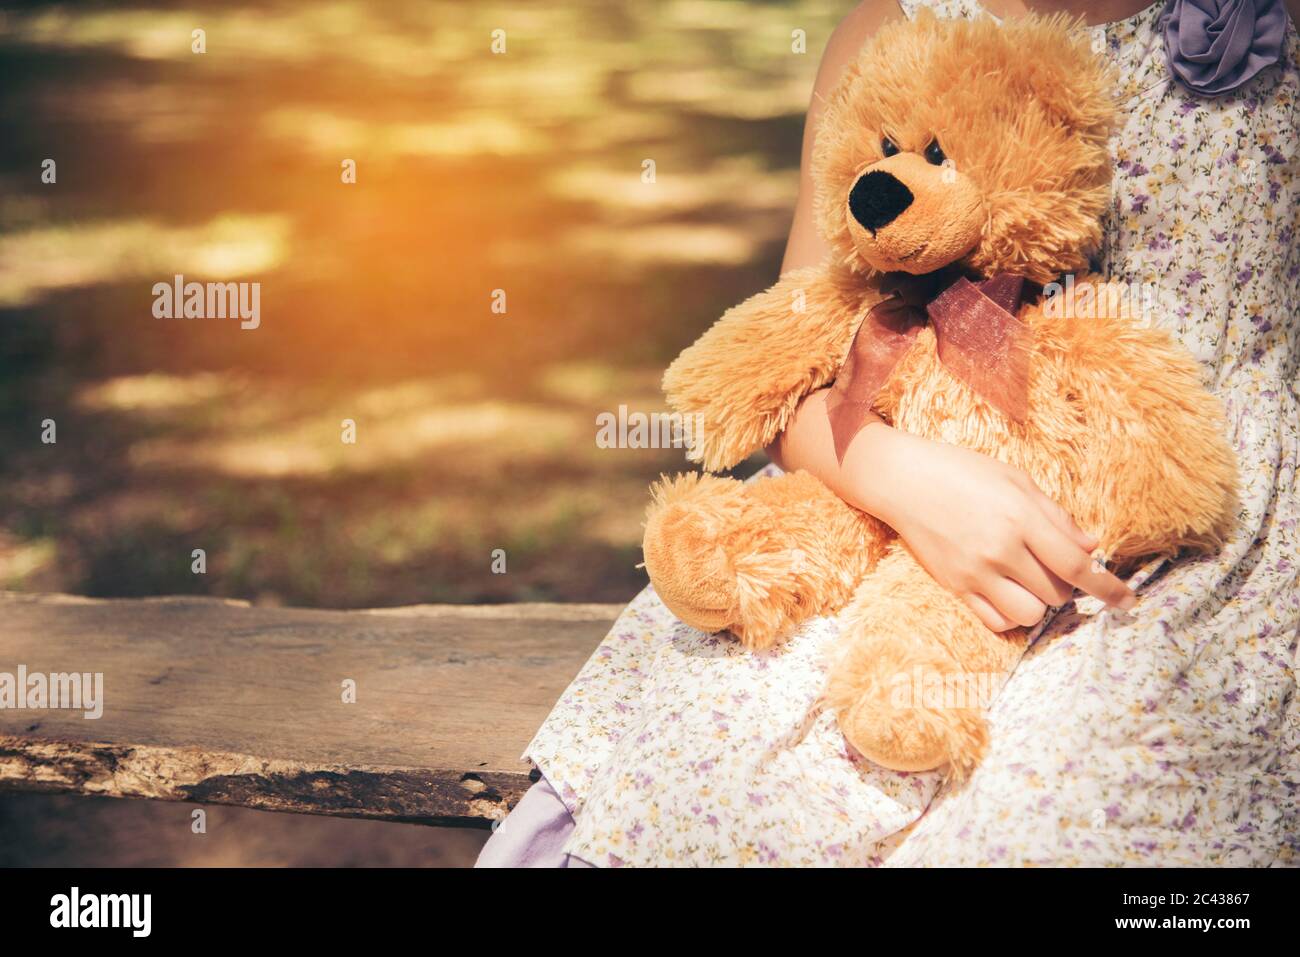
(980, 341)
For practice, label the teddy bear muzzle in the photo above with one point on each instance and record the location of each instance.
(906, 214)
(877, 199)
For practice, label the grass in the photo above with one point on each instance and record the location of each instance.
(475, 430)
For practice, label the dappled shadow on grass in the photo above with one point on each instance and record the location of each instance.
(443, 473)
(475, 173)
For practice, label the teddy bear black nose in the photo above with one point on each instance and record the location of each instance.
(877, 199)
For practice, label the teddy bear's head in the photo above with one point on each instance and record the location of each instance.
(970, 142)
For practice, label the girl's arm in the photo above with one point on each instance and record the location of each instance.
(740, 382)
(981, 528)
(805, 246)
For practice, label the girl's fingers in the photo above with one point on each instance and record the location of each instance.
(1073, 564)
(1040, 581)
(1016, 604)
(993, 619)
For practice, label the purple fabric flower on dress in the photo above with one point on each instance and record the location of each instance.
(1215, 46)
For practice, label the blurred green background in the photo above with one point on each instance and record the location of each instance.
(475, 172)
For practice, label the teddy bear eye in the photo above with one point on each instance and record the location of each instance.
(888, 147)
(934, 154)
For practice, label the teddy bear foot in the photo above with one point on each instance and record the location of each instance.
(756, 560)
(895, 708)
(914, 739)
(710, 567)
(683, 551)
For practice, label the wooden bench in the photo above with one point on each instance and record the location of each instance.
(219, 702)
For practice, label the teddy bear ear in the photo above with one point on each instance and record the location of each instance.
(1074, 85)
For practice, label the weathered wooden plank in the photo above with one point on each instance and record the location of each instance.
(216, 701)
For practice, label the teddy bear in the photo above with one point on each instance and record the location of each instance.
(961, 168)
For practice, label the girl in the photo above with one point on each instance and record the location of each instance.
(1163, 731)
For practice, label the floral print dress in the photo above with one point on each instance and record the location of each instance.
(1170, 736)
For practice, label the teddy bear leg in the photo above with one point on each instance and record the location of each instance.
(756, 559)
(917, 671)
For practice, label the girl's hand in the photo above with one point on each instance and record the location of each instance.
(983, 529)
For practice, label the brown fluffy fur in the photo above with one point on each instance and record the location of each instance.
(1120, 431)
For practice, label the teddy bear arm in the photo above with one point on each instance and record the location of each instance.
(739, 383)
(1158, 473)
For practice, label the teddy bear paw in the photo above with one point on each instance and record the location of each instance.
(717, 565)
(907, 744)
(684, 556)
(897, 733)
